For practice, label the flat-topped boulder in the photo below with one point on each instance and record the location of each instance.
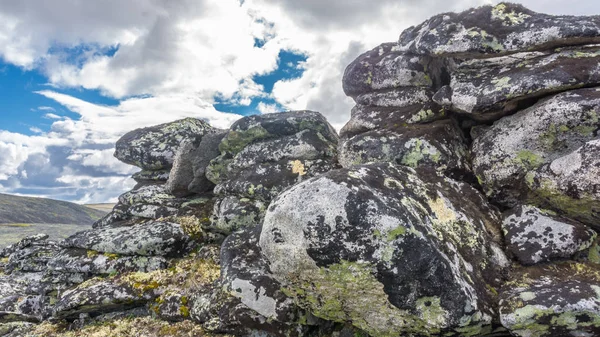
(154, 148)
(505, 28)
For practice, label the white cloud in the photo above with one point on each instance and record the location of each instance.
(265, 108)
(52, 116)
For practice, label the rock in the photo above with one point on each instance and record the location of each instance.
(266, 180)
(368, 118)
(251, 129)
(153, 148)
(534, 235)
(439, 145)
(384, 67)
(74, 260)
(182, 172)
(408, 96)
(204, 153)
(245, 274)
(33, 257)
(146, 177)
(570, 184)
(353, 245)
(23, 243)
(99, 296)
(304, 145)
(149, 195)
(151, 211)
(497, 30)
(552, 300)
(119, 214)
(15, 329)
(236, 213)
(490, 88)
(504, 153)
(152, 238)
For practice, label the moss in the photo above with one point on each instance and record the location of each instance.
(184, 311)
(349, 292)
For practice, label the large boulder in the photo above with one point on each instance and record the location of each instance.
(389, 249)
(506, 152)
(570, 184)
(487, 89)
(263, 155)
(534, 235)
(497, 30)
(154, 148)
(561, 299)
(439, 145)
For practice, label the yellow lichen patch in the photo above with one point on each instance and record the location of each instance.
(187, 274)
(509, 18)
(141, 326)
(298, 167)
(92, 254)
(191, 226)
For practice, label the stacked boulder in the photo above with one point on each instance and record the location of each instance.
(263, 155)
(395, 118)
(520, 89)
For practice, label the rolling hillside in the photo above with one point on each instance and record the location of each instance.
(15, 209)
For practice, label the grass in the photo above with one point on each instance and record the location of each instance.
(13, 232)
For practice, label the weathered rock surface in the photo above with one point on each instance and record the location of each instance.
(439, 145)
(352, 245)
(496, 30)
(385, 67)
(534, 235)
(263, 155)
(152, 238)
(75, 260)
(504, 153)
(487, 89)
(571, 184)
(154, 148)
(552, 300)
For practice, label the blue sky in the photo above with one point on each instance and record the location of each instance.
(23, 109)
(75, 76)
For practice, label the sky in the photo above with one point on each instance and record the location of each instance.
(75, 75)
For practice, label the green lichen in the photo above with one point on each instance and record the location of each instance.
(369, 79)
(500, 12)
(235, 141)
(349, 292)
(528, 159)
(420, 150)
(395, 233)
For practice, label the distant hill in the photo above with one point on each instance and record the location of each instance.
(27, 210)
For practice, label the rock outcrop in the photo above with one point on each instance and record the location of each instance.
(462, 198)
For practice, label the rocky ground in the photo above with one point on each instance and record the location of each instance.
(461, 199)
